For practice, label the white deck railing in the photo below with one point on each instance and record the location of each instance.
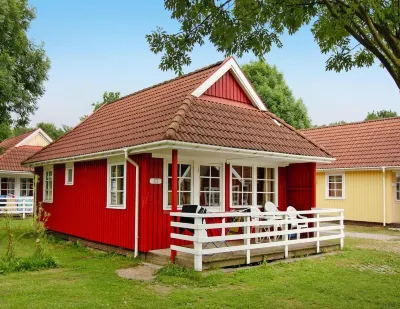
(322, 225)
(16, 206)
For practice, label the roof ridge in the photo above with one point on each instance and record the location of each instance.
(176, 122)
(25, 133)
(169, 80)
(350, 123)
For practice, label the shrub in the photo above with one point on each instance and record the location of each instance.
(31, 263)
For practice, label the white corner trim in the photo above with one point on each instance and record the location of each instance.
(237, 72)
(30, 136)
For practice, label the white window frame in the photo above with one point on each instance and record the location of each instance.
(221, 185)
(48, 168)
(254, 181)
(8, 189)
(327, 197)
(26, 190)
(111, 162)
(397, 191)
(275, 180)
(69, 166)
(165, 184)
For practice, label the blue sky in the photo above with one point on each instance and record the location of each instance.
(99, 45)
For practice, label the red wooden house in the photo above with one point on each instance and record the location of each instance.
(110, 179)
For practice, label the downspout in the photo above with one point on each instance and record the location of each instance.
(136, 201)
(384, 194)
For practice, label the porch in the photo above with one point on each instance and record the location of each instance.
(258, 237)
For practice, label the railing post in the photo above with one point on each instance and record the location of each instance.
(318, 242)
(198, 246)
(23, 209)
(248, 240)
(286, 236)
(342, 230)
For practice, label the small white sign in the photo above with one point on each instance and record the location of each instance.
(155, 181)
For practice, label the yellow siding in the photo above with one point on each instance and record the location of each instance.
(363, 195)
(37, 140)
(392, 205)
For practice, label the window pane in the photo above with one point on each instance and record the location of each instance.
(120, 184)
(261, 199)
(204, 170)
(204, 198)
(331, 193)
(237, 171)
(247, 198)
(261, 173)
(170, 170)
(185, 184)
(120, 171)
(69, 175)
(339, 185)
(185, 170)
(331, 178)
(120, 198)
(169, 184)
(236, 185)
(113, 198)
(214, 198)
(184, 198)
(247, 172)
(113, 184)
(204, 184)
(235, 199)
(113, 171)
(338, 193)
(270, 173)
(247, 185)
(271, 197)
(215, 171)
(261, 186)
(338, 178)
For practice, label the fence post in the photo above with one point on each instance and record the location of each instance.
(198, 246)
(23, 209)
(318, 242)
(286, 236)
(342, 230)
(248, 240)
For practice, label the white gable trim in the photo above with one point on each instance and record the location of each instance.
(30, 136)
(237, 72)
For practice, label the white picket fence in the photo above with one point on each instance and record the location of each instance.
(16, 206)
(322, 225)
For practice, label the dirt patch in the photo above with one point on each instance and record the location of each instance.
(372, 236)
(380, 269)
(161, 289)
(142, 272)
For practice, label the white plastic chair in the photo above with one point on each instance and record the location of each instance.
(294, 224)
(273, 213)
(261, 228)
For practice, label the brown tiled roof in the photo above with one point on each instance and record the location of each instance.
(11, 159)
(167, 111)
(362, 144)
(12, 141)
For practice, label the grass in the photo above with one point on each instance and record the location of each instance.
(372, 230)
(365, 275)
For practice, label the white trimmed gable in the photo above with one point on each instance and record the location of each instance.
(36, 138)
(231, 65)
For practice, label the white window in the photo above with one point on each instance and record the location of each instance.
(7, 186)
(397, 187)
(48, 180)
(242, 185)
(116, 184)
(69, 173)
(266, 185)
(185, 184)
(335, 185)
(26, 187)
(210, 185)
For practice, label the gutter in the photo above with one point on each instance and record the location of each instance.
(136, 227)
(182, 145)
(384, 194)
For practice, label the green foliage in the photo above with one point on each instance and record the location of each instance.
(354, 33)
(380, 114)
(52, 130)
(108, 97)
(337, 123)
(270, 85)
(23, 64)
(31, 263)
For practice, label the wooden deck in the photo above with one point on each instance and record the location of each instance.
(238, 258)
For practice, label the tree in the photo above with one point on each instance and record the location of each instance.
(381, 114)
(23, 64)
(52, 131)
(337, 123)
(353, 32)
(108, 97)
(270, 85)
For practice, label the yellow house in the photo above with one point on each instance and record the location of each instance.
(364, 179)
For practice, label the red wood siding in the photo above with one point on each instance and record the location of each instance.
(301, 186)
(228, 88)
(80, 209)
(282, 187)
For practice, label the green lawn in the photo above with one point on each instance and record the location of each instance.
(365, 275)
(372, 229)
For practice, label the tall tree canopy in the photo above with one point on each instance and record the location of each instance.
(353, 32)
(381, 114)
(52, 130)
(276, 95)
(23, 64)
(108, 97)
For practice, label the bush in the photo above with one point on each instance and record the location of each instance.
(31, 263)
